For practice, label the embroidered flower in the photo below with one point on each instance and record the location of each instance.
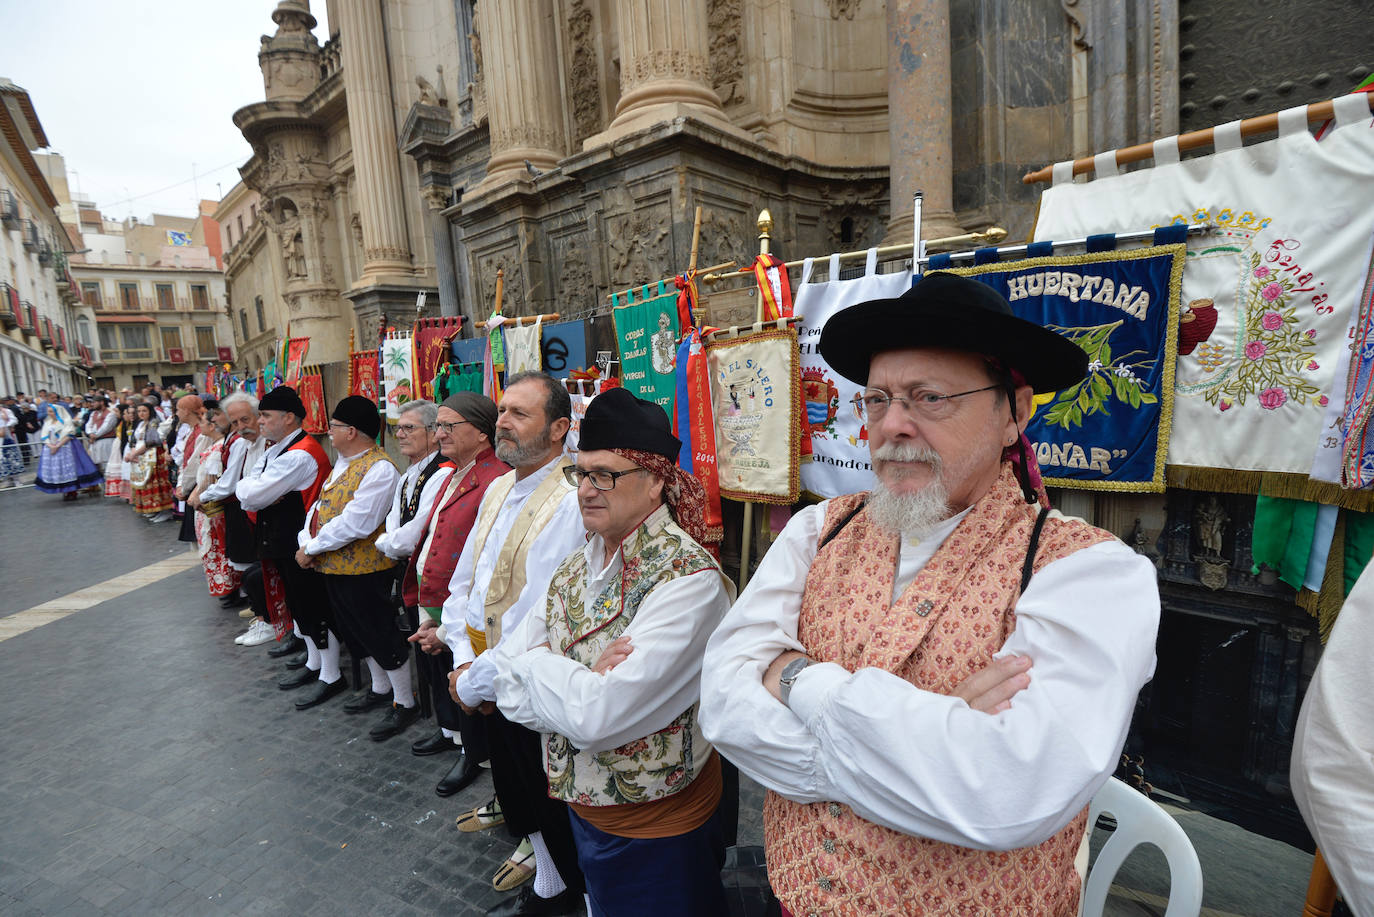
(1272, 398)
(1225, 406)
(1311, 333)
(1261, 271)
(1272, 321)
(1323, 400)
(1255, 350)
(1094, 366)
(1313, 364)
(1271, 291)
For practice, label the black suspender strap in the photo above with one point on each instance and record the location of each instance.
(1027, 568)
(849, 517)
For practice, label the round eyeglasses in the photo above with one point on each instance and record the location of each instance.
(601, 480)
(924, 403)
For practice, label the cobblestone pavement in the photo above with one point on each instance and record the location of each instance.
(150, 766)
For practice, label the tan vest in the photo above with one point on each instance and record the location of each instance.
(959, 610)
(508, 577)
(356, 557)
(665, 762)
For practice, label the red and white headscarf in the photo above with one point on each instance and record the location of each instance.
(684, 494)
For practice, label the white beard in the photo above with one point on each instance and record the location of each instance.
(911, 515)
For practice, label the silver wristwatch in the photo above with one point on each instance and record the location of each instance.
(789, 676)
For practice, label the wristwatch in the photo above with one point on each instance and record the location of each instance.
(789, 676)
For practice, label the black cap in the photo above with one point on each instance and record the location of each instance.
(618, 420)
(283, 398)
(361, 413)
(947, 310)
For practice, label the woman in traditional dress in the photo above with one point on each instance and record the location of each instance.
(116, 469)
(63, 465)
(11, 462)
(222, 578)
(147, 458)
(100, 433)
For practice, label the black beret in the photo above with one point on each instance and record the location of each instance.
(283, 398)
(361, 413)
(618, 420)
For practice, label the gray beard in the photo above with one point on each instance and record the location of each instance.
(910, 515)
(518, 455)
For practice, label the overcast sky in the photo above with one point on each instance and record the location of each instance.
(133, 93)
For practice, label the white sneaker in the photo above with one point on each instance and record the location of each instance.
(259, 632)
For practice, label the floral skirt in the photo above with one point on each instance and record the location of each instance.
(219, 575)
(155, 494)
(11, 461)
(67, 470)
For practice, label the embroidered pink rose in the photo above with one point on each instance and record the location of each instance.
(1311, 334)
(1271, 320)
(1261, 271)
(1271, 291)
(1225, 406)
(1255, 349)
(1313, 364)
(1272, 398)
(1323, 400)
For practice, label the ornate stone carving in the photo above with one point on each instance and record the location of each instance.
(288, 231)
(639, 248)
(582, 73)
(861, 205)
(1078, 23)
(663, 63)
(1209, 525)
(436, 197)
(513, 283)
(725, 25)
(429, 95)
(724, 237)
(540, 138)
(845, 8)
(387, 253)
(355, 226)
(477, 88)
(574, 273)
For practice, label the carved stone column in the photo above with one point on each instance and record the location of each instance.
(436, 199)
(919, 122)
(665, 69)
(523, 93)
(386, 251)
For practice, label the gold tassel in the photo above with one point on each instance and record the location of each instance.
(1332, 594)
(1268, 483)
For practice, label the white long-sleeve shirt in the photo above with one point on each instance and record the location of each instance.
(186, 470)
(233, 470)
(923, 763)
(361, 515)
(399, 539)
(562, 536)
(280, 471)
(551, 693)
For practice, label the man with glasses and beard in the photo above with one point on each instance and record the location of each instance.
(528, 522)
(876, 675)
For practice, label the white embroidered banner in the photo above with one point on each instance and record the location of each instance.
(754, 383)
(1281, 279)
(839, 441)
(396, 363)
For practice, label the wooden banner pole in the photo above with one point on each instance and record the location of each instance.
(765, 224)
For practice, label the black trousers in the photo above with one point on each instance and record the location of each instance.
(365, 615)
(433, 676)
(522, 788)
(255, 590)
(305, 598)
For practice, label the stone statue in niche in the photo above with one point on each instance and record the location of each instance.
(1209, 522)
(292, 249)
(429, 95)
(1139, 542)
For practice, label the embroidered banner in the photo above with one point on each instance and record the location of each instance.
(311, 390)
(647, 334)
(1283, 275)
(1357, 458)
(1110, 431)
(362, 374)
(754, 383)
(396, 365)
(522, 347)
(839, 441)
(296, 349)
(430, 340)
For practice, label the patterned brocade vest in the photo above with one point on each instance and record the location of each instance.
(957, 612)
(356, 557)
(663, 763)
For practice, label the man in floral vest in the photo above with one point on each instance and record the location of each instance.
(613, 679)
(876, 675)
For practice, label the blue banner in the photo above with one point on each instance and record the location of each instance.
(1110, 431)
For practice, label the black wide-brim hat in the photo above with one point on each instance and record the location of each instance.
(957, 313)
(616, 419)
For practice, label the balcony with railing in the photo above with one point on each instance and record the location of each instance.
(9, 207)
(45, 335)
(29, 230)
(9, 306)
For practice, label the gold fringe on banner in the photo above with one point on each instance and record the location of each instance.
(1269, 484)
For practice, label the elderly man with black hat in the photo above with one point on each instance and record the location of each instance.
(465, 426)
(613, 681)
(280, 489)
(339, 540)
(876, 674)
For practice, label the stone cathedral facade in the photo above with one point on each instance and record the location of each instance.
(430, 143)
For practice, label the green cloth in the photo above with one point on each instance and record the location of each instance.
(647, 334)
(457, 377)
(434, 611)
(1283, 537)
(1359, 543)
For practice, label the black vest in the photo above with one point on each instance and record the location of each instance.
(279, 524)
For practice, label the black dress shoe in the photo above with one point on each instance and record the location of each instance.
(298, 660)
(460, 775)
(288, 647)
(434, 745)
(528, 903)
(299, 680)
(322, 692)
(369, 701)
(393, 721)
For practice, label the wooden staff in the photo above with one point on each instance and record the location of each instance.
(500, 288)
(765, 224)
(1193, 140)
(526, 319)
(696, 239)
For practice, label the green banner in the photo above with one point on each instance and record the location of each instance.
(647, 334)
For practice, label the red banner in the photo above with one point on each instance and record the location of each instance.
(362, 374)
(311, 390)
(430, 342)
(296, 349)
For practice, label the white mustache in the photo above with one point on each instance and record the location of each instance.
(897, 452)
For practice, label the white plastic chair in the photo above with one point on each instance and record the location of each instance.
(1140, 821)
